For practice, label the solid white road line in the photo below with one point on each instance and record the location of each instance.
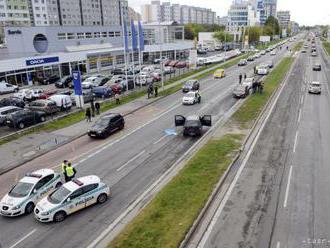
(131, 160)
(22, 239)
(155, 143)
(278, 245)
(295, 142)
(299, 115)
(302, 100)
(287, 188)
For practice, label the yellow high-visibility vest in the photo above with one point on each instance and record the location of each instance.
(69, 171)
(63, 167)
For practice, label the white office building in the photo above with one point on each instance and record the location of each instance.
(241, 15)
(284, 19)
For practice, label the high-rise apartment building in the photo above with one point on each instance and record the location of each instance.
(270, 7)
(183, 14)
(284, 19)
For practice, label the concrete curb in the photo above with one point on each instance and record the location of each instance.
(222, 180)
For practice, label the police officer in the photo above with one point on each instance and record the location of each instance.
(70, 172)
(63, 166)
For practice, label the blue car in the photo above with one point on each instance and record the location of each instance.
(102, 92)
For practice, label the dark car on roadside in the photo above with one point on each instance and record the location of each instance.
(191, 85)
(48, 79)
(193, 125)
(102, 92)
(317, 67)
(106, 125)
(63, 82)
(46, 106)
(25, 118)
(12, 101)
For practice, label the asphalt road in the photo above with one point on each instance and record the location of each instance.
(281, 198)
(129, 162)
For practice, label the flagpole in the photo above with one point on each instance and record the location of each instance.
(133, 51)
(124, 41)
(139, 40)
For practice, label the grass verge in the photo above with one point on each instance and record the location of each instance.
(327, 47)
(169, 216)
(298, 46)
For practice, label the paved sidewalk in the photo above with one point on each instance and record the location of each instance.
(28, 147)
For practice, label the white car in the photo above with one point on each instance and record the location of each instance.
(273, 53)
(7, 88)
(89, 82)
(71, 197)
(262, 69)
(29, 94)
(23, 197)
(314, 88)
(191, 98)
(248, 82)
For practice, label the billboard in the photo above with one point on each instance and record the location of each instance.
(264, 39)
(77, 83)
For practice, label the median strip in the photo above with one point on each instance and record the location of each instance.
(326, 45)
(168, 217)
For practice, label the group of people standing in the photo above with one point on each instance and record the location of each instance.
(257, 86)
(240, 78)
(68, 171)
(92, 110)
(152, 90)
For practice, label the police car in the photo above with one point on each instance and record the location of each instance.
(22, 198)
(71, 197)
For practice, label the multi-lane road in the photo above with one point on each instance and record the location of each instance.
(281, 197)
(128, 162)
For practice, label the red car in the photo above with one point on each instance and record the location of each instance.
(167, 62)
(173, 63)
(46, 94)
(181, 64)
(116, 88)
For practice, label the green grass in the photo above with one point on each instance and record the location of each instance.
(327, 47)
(268, 44)
(298, 46)
(165, 221)
(169, 216)
(250, 110)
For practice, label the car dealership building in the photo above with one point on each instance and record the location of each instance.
(32, 52)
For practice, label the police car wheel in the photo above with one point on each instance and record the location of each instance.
(102, 198)
(21, 125)
(29, 208)
(59, 216)
(42, 118)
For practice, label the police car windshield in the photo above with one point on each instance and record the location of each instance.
(192, 123)
(191, 94)
(59, 195)
(21, 189)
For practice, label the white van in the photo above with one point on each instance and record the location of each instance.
(64, 102)
(7, 88)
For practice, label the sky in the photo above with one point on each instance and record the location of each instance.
(305, 12)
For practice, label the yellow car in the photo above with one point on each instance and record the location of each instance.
(220, 73)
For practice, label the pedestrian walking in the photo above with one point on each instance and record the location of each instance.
(240, 78)
(63, 167)
(255, 69)
(70, 172)
(261, 88)
(244, 75)
(92, 107)
(88, 115)
(156, 90)
(254, 86)
(97, 108)
(117, 98)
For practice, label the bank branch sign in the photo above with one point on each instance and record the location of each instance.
(41, 61)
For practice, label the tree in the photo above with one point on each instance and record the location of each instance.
(191, 30)
(272, 26)
(254, 34)
(223, 36)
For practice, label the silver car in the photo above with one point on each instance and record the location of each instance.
(314, 88)
(4, 111)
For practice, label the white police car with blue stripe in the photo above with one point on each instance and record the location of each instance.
(72, 197)
(21, 199)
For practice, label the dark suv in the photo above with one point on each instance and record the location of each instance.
(191, 85)
(12, 101)
(193, 125)
(106, 125)
(24, 118)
